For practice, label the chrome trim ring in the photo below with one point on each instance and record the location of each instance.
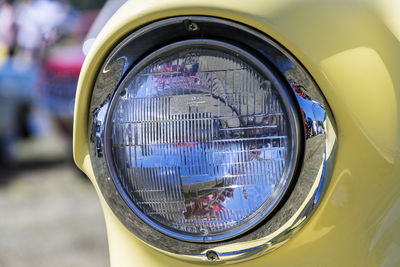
(288, 104)
(319, 135)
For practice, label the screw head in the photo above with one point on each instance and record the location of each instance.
(203, 231)
(192, 27)
(212, 255)
(123, 92)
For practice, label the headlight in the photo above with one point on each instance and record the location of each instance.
(209, 141)
(202, 138)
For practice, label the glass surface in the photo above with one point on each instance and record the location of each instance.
(200, 142)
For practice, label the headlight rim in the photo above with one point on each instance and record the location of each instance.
(288, 104)
(267, 236)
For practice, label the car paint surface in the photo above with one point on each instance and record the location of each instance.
(352, 50)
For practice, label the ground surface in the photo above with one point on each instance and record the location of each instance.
(49, 213)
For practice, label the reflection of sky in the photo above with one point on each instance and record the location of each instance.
(312, 108)
(256, 196)
(202, 167)
(145, 86)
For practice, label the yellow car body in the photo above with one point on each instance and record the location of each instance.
(352, 51)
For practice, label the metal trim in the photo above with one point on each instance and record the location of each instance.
(319, 145)
(289, 106)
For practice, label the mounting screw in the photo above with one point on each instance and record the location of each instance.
(191, 26)
(203, 231)
(212, 255)
(123, 92)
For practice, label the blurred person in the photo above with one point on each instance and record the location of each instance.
(36, 21)
(7, 29)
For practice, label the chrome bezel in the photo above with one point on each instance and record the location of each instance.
(287, 103)
(318, 152)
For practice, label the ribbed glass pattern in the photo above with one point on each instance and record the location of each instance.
(200, 141)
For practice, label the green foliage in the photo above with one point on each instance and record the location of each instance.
(87, 4)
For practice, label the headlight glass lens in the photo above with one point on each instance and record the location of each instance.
(201, 142)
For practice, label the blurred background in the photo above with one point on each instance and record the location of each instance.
(50, 214)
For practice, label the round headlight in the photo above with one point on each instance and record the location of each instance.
(202, 139)
(208, 140)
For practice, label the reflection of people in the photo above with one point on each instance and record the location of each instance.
(299, 89)
(208, 204)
